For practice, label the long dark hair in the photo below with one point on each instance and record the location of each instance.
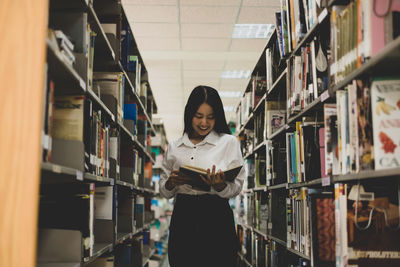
(205, 94)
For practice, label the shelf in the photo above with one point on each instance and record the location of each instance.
(125, 184)
(298, 253)
(147, 258)
(384, 63)
(63, 73)
(273, 90)
(99, 250)
(278, 132)
(260, 233)
(246, 124)
(101, 104)
(260, 189)
(283, 243)
(381, 174)
(316, 182)
(278, 186)
(244, 259)
(121, 237)
(96, 178)
(306, 110)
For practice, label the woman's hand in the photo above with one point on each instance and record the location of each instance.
(176, 178)
(216, 180)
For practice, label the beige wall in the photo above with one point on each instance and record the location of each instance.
(23, 25)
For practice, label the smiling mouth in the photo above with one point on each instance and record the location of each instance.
(203, 129)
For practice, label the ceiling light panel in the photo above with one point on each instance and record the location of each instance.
(252, 31)
(152, 13)
(235, 74)
(230, 94)
(203, 44)
(257, 15)
(206, 30)
(155, 30)
(195, 14)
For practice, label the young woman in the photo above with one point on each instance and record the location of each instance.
(202, 231)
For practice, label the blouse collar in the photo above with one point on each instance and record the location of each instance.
(211, 138)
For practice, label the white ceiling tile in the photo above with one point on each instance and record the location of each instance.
(241, 83)
(191, 14)
(194, 44)
(210, 2)
(155, 30)
(162, 64)
(257, 15)
(202, 73)
(149, 2)
(152, 13)
(149, 43)
(190, 82)
(248, 45)
(203, 64)
(207, 30)
(239, 65)
(269, 3)
(171, 74)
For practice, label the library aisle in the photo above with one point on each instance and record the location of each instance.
(94, 91)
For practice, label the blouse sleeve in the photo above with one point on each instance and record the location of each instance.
(235, 158)
(167, 166)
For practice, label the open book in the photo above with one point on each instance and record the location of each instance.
(196, 181)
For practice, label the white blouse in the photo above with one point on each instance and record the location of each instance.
(221, 150)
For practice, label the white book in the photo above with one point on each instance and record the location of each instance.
(385, 100)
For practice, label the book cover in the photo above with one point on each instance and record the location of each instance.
(372, 219)
(68, 117)
(195, 172)
(331, 140)
(364, 120)
(385, 101)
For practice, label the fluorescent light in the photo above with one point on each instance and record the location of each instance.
(235, 74)
(229, 108)
(254, 31)
(230, 94)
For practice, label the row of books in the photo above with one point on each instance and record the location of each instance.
(99, 213)
(360, 129)
(256, 250)
(294, 20)
(358, 32)
(298, 221)
(307, 76)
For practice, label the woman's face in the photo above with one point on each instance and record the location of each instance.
(203, 121)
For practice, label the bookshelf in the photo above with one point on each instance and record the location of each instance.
(300, 191)
(98, 203)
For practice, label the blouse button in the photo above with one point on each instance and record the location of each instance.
(191, 158)
(194, 147)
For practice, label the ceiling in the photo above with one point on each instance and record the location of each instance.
(185, 43)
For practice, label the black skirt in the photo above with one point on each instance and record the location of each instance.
(202, 232)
